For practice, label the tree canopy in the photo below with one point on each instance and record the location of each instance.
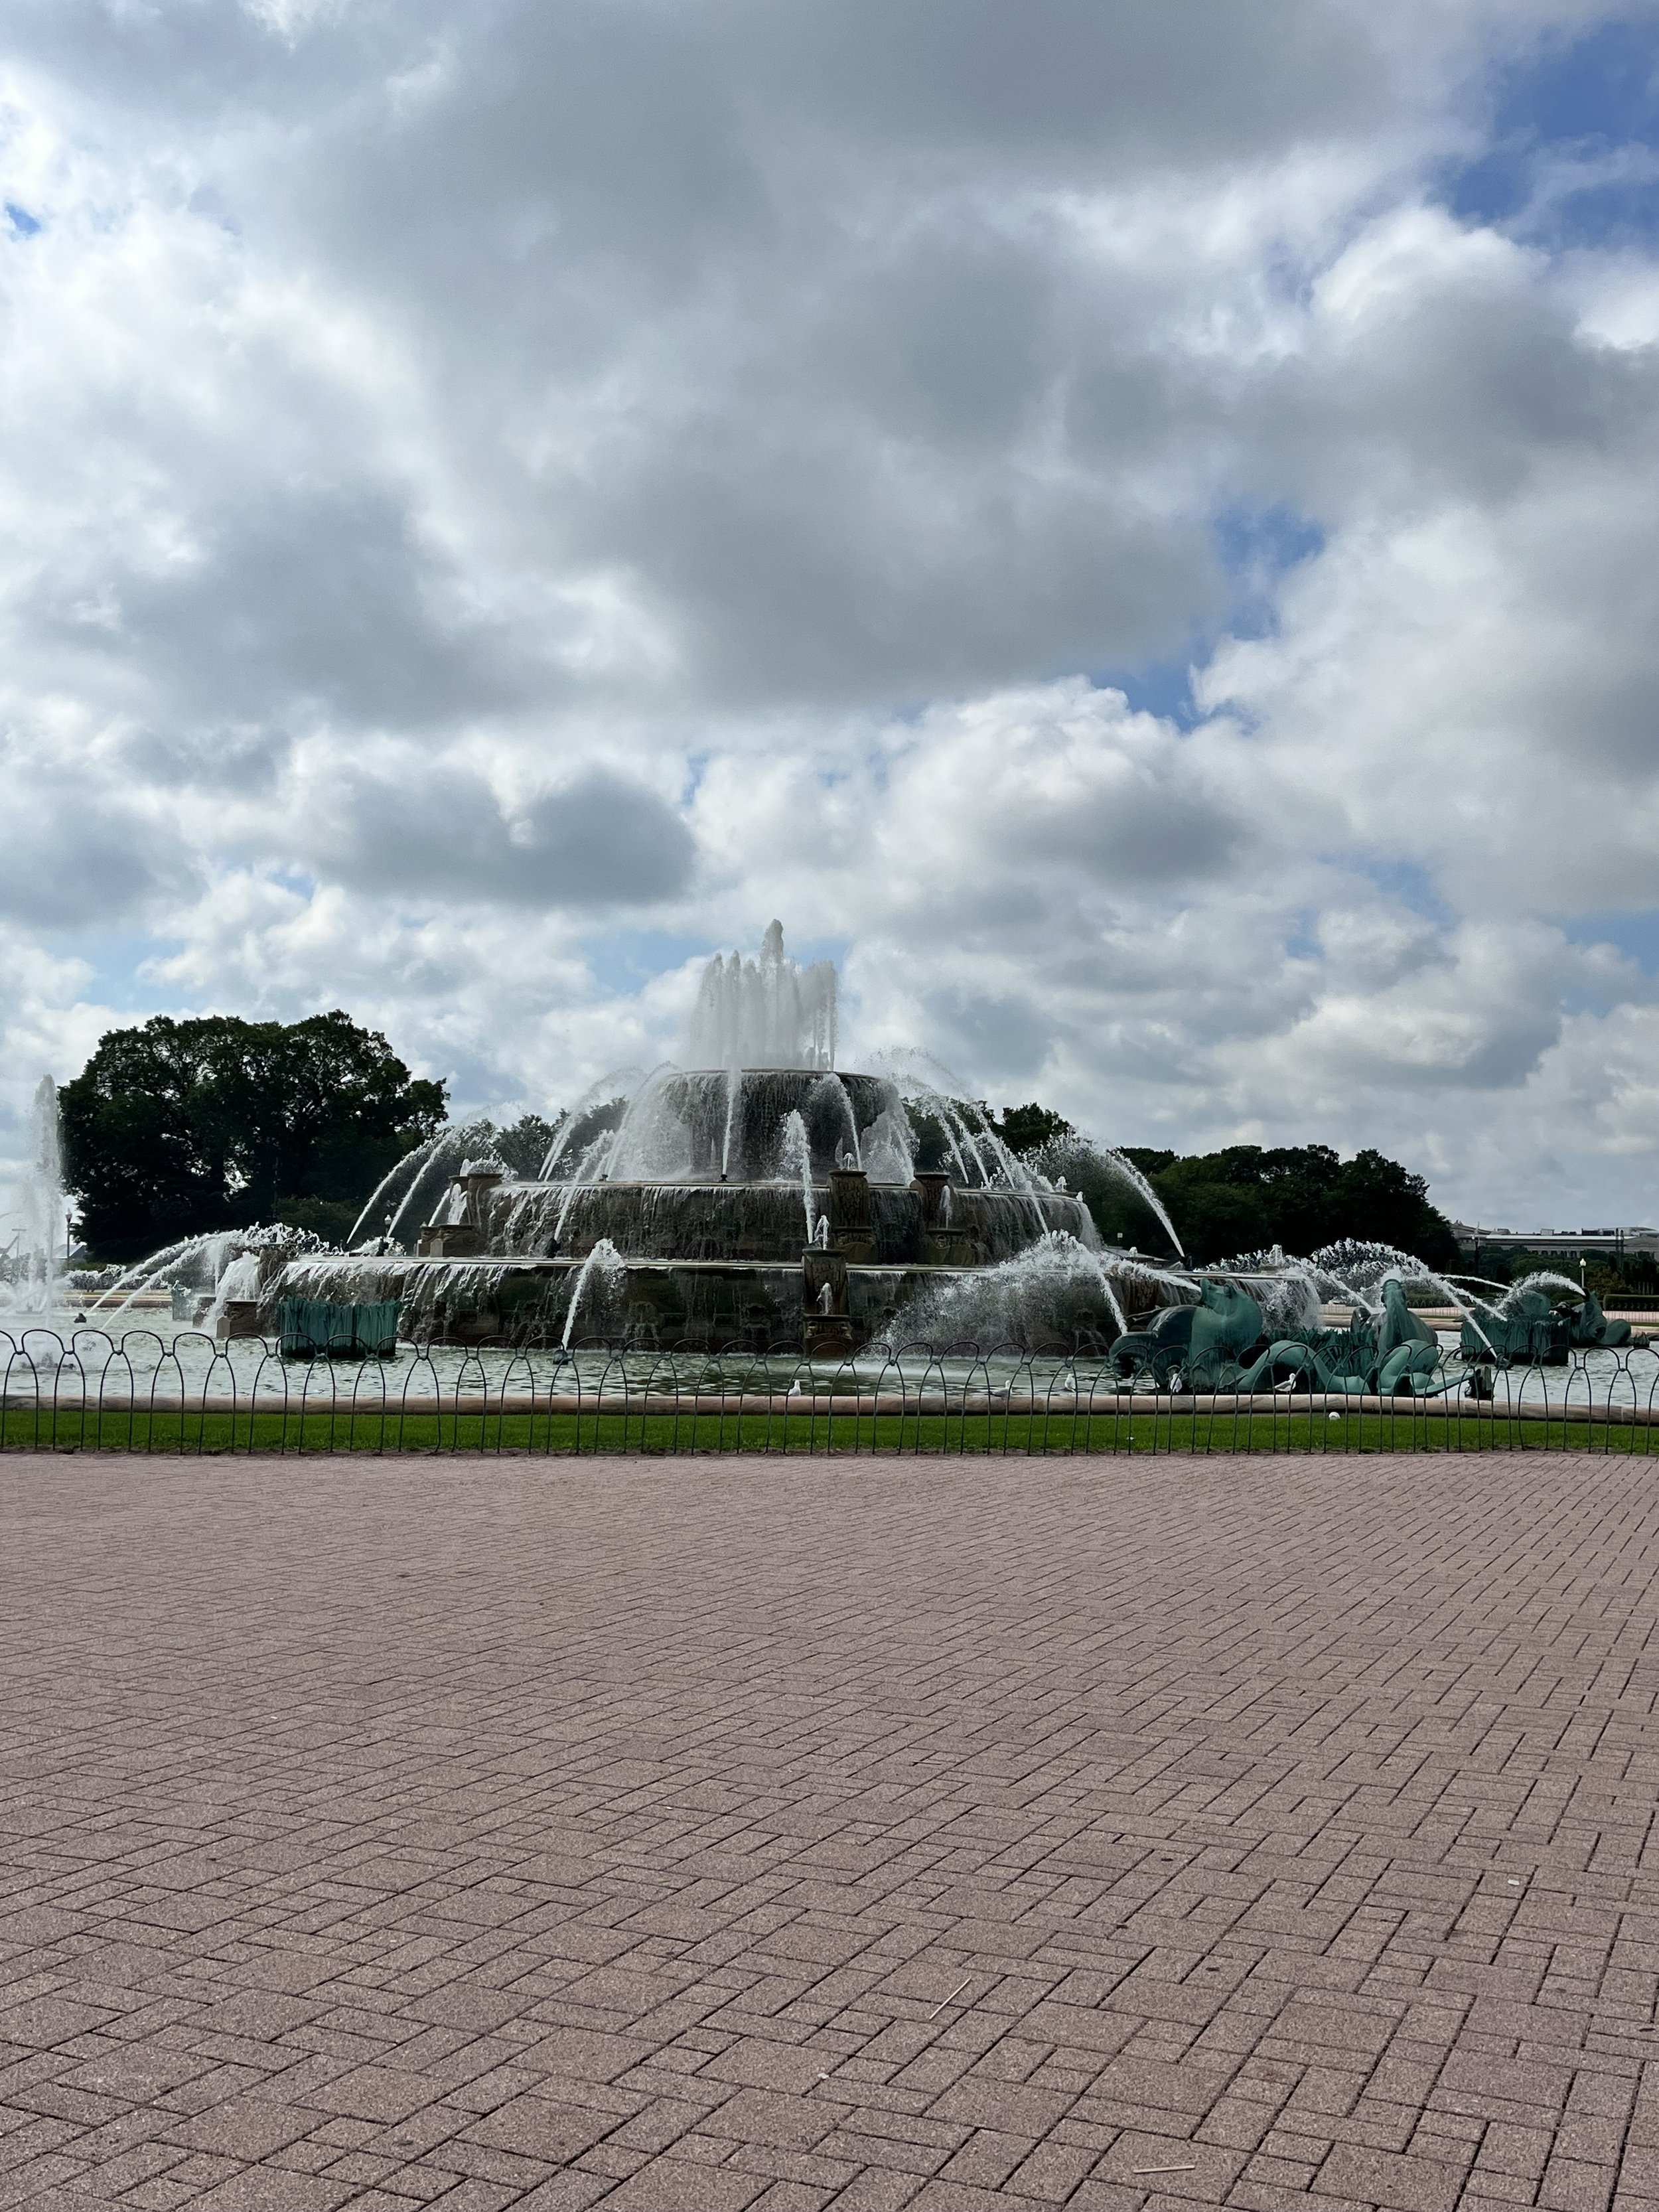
(1247, 1198)
(1024, 1128)
(180, 1128)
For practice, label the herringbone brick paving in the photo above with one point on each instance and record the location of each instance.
(715, 1835)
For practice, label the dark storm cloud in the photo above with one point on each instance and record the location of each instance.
(600, 842)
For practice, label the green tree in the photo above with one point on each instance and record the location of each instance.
(1249, 1197)
(1027, 1128)
(180, 1127)
(523, 1145)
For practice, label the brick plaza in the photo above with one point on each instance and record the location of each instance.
(1250, 1832)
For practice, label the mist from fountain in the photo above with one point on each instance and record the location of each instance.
(1040, 1294)
(39, 1263)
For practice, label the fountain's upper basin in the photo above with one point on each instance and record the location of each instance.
(751, 1125)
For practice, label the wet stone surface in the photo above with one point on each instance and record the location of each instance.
(483, 1834)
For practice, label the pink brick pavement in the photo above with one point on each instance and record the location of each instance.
(1254, 1832)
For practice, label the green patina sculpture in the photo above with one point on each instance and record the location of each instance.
(1538, 1330)
(1219, 1345)
(1192, 1341)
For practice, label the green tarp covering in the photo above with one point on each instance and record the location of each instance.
(312, 1328)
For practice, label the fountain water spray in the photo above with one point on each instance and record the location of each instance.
(40, 1207)
(607, 1262)
(1047, 1291)
(620, 1083)
(796, 1154)
(766, 1012)
(1356, 1270)
(733, 1085)
(830, 1093)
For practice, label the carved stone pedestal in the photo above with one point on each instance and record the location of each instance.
(828, 1336)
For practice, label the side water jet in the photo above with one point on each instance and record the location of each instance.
(830, 1091)
(619, 1083)
(608, 1264)
(733, 1085)
(1357, 1270)
(796, 1154)
(39, 1256)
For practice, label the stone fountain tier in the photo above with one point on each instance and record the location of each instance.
(821, 1303)
(924, 1224)
(662, 1303)
(719, 1263)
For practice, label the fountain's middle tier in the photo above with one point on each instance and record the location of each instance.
(926, 1223)
(755, 1163)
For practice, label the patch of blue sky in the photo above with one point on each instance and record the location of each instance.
(1256, 547)
(1258, 544)
(1164, 688)
(1302, 936)
(1408, 884)
(1572, 148)
(21, 223)
(474, 1087)
(621, 961)
(1635, 935)
(124, 978)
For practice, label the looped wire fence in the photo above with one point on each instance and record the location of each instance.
(90, 1391)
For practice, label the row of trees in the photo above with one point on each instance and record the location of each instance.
(1246, 1198)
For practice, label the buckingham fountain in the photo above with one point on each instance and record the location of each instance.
(752, 1194)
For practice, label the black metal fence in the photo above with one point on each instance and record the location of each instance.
(90, 1391)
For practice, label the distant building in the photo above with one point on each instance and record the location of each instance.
(1573, 1243)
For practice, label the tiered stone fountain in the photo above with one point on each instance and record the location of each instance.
(755, 1196)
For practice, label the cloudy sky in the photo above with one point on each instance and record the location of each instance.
(1133, 527)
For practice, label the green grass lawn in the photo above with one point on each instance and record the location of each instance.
(565, 1435)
